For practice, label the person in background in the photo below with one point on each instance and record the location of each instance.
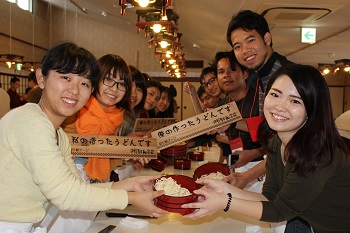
(232, 80)
(5, 102)
(208, 81)
(176, 106)
(26, 92)
(36, 164)
(165, 105)
(208, 101)
(153, 95)
(15, 99)
(103, 113)
(137, 102)
(35, 93)
(308, 163)
(343, 125)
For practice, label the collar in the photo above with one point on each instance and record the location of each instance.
(266, 69)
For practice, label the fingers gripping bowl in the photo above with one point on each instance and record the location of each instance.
(178, 191)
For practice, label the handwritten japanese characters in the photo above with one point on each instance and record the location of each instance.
(146, 124)
(197, 125)
(112, 146)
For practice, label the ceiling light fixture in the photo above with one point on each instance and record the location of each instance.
(11, 59)
(326, 70)
(144, 3)
(157, 27)
(163, 44)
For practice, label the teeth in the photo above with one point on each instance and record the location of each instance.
(111, 96)
(279, 117)
(69, 101)
(250, 58)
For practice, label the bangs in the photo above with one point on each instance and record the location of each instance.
(74, 65)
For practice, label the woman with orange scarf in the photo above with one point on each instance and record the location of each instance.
(103, 113)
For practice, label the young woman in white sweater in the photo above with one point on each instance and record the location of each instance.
(36, 164)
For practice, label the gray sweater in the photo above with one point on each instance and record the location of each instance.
(322, 198)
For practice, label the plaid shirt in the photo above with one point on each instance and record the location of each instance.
(263, 75)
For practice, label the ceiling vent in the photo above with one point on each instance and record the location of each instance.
(274, 13)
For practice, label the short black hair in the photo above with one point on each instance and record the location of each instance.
(232, 58)
(156, 84)
(14, 79)
(205, 71)
(116, 65)
(67, 58)
(200, 91)
(32, 77)
(248, 21)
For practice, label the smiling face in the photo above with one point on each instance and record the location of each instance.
(153, 95)
(63, 95)
(136, 95)
(208, 101)
(284, 109)
(230, 80)
(210, 84)
(164, 102)
(251, 50)
(108, 96)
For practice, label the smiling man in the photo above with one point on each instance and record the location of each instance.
(232, 79)
(249, 35)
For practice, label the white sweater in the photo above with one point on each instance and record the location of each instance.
(34, 169)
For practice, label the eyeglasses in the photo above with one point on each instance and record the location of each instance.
(110, 83)
(210, 82)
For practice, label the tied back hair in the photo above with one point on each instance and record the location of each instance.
(316, 141)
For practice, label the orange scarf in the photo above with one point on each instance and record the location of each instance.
(94, 120)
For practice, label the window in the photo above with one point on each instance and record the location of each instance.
(24, 4)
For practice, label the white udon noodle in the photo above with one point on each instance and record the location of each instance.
(214, 176)
(171, 188)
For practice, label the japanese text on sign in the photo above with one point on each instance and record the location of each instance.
(112, 146)
(146, 124)
(197, 125)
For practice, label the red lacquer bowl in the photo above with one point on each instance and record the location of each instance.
(173, 204)
(158, 164)
(183, 164)
(196, 156)
(175, 150)
(208, 168)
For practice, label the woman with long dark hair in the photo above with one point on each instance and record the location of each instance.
(308, 166)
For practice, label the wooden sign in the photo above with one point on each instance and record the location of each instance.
(108, 146)
(146, 124)
(197, 125)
